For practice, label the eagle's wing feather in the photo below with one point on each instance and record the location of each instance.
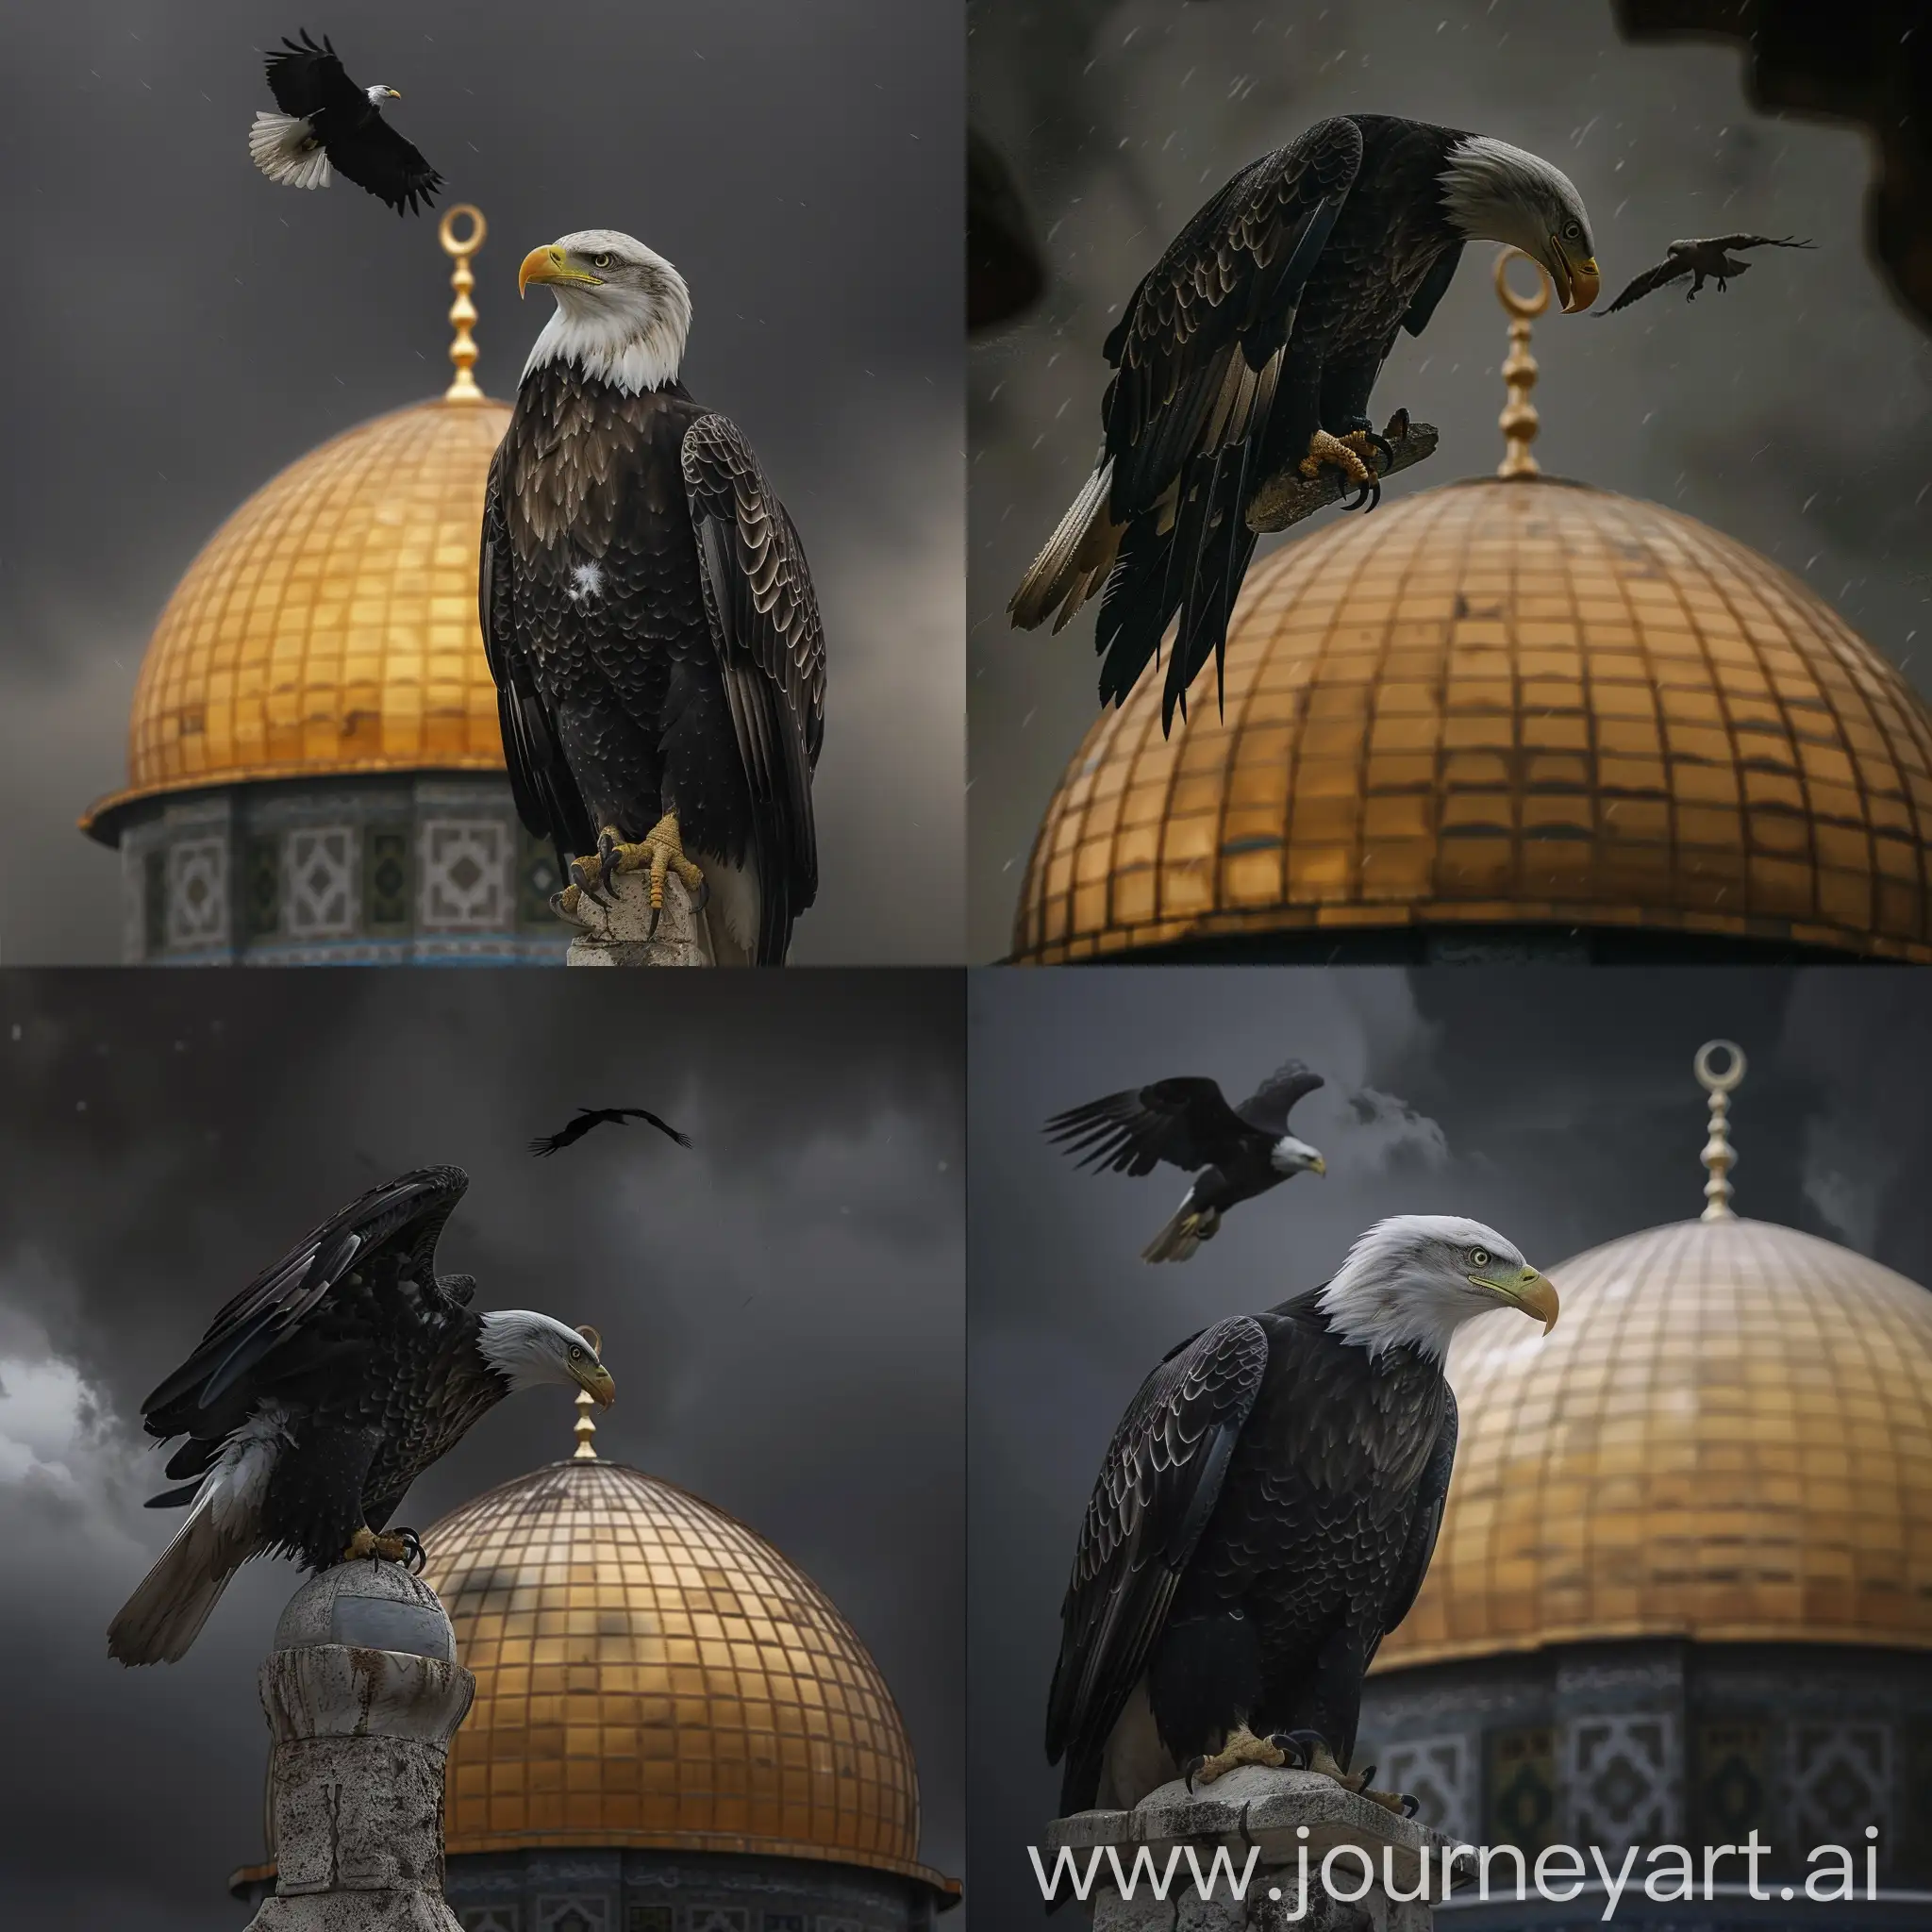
(546, 795)
(306, 79)
(374, 156)
(1269, 1104)
(1758, 242)
(638, 1113)
(1426, 1525)
(764, 621)
(1650, 280)
(1184, 1122)
(409, 1211)
(1158, 1487)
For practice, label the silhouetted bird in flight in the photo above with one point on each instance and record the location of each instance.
(1704, 261)
(589, 1117)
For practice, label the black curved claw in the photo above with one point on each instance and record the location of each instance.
(415, 1554)
(657, 914)
(1298, 1747)
(1410, 1805)
(1360, 497)
(1191, 1770)
(582, 880)
(1375, 440)
(1368, 1777)
(703, 897)
(607, 853)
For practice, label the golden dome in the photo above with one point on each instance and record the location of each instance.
(329, 627)
(1505, 702)
(1727, 1436)
(650, 1672)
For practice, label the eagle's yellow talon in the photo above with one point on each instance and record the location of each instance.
(1325, 448)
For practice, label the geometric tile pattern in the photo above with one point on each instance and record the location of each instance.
(1502, 702)
(1622, 1781)
(1727, 1436)
(572, 1915)
(1441, 1775)
(490, 1919)
(464, 875)
(1840, 1782)
(1520, 1794)
(330, 624)
(323, 900)
(650, 1672)
(198, 893)
(1732, 1773)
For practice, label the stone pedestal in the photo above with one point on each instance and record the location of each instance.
(614, 935)
(363, 1694)
(1291, 1822)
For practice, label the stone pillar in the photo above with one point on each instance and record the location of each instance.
(363, 1693)
(614, 935)
(1292, 1821)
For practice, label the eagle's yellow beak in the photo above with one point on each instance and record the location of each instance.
(394, 93)
(1318, 1165)
(1576, 281)
(1526, 1290)
(549, 265)
(597, 1384)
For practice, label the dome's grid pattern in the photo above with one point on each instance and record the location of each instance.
(1727, 1436)
(651, 1672)
(330, 624)
(1505, 702)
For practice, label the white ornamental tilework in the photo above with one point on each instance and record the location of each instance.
(489, 1918)
(572, 1915)
(198, 893)
(320, 878)
(1440, 1774)
(465, 876)
(1840, 1782)
(1624, 1774)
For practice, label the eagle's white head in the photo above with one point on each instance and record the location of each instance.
(623, 311)
(378, 93)
(1413, 1279)
(532, 1351)
(1496, 192)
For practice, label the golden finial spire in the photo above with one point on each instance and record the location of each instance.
(585, 1428)
(1519, 422)
(462, 312)
(1718, 1157)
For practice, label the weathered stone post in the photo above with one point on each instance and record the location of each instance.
(363, 1693)
(1290, 1822)
(613, 934)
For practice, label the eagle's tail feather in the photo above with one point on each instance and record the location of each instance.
(285, 148)
(165, 1614)
(1075, 559)
(1188, 1227)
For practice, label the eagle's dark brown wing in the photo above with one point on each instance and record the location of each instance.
(373, 155)
(306, 78)
(1186, 1122)
(1269, 1104)
(764, 620)
(1648, 283)
(1758, 242)
(637, 1113)
(1158, 1487)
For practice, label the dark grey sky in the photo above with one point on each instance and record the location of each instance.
(1558, 1107)
(177, 328)
(1791, 412)
(782, 1309)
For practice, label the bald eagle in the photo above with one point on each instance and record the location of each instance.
(329, 124)
(1705, 258)
(1234, 1153)
(1253, 344)
(648, 613)
(1264, 1517)
(320, 1394)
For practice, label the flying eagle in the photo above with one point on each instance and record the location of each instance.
(1234, 1153)
(648, 615)
(1700, 260)
(332, 1381)
(588, 1117)
(1253, 344)
(1264, 1517)
(329, 124)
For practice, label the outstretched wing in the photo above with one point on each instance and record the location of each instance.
(306, 79)
(1647, 283)
(771, 647)
(1185, 1122)
(1158, 1487)
(546, 795)
(637, 1113)
(294, 1295)
(1269, 1105)
(373, 154)
(1759, 242)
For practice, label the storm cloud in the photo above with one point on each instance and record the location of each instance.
(782, 1308)
(182, 330)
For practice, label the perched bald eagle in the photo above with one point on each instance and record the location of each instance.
(320, 1394)
(1253, 344)
(1234, 1153)
(1264, 1518)
(327, 125)
(648, 613)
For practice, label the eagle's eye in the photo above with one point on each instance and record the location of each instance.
(600, 261)
(577, 1354)
(1572, 230)
(1478, 1257)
